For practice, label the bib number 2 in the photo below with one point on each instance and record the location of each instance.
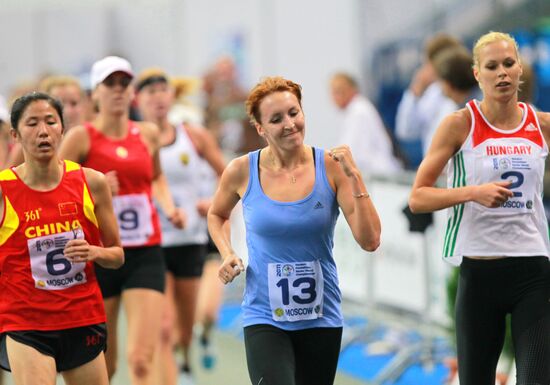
(522, 200)
(517, 182)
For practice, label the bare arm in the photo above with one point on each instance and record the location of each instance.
(544, 121)
(353, 198)
(160, 188)
(110, 254)
(449, 137)
(231, 188)
(208, 148)
(75, 145)
(15, 156)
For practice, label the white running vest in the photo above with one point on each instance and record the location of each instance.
(517, 228)
(181, 164)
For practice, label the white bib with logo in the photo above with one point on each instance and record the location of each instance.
(522, 174)
(133, 213)
(296, 290)
(49, 267)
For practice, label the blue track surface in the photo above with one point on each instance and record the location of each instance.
(354, 360)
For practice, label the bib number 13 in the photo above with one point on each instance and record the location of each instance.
(307, 286)
(295, 291)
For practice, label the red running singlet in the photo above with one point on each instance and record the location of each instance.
(39, 288)
(136, 215)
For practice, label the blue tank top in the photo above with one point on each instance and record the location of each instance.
(291, 278)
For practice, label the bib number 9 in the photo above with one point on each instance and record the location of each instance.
(134, 217)
(128, 219)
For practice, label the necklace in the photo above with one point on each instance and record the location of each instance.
(292, 177)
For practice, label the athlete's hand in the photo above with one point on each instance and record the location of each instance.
(342, 155)
(178, 218)
(112, 181)
(492, 194)
(79, 250)
(203, 205)
(231, 267)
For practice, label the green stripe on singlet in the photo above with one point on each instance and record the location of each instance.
(453, 224)
(454, 208)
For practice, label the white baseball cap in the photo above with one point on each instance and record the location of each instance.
(4, 114)
(107, 66)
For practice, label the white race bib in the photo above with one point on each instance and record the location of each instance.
(514, 169)
(133, 212)
(295, 290)
(49, 267)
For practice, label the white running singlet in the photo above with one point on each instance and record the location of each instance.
(518, 227)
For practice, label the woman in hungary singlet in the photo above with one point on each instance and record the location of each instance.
(497, 231)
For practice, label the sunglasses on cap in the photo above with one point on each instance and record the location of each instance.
(112, 81)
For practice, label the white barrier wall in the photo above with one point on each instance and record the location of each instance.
(406, 272)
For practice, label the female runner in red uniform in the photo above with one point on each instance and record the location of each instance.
(128, 153)
(57, 218)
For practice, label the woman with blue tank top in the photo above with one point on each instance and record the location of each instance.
(497, 232)
(291, 195)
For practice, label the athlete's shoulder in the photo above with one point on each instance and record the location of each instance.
(544, 119)
(94, 178)
(457, 122)
(7, 174)
(194, 129)
(77, 132)
(460, 118)
(147, 128)
(235, 176)
(237, 170)
(239, 165)
(75, 144)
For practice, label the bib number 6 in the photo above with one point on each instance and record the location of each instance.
(56, 263)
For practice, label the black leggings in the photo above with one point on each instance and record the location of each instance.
(302, 357)
(487, 291)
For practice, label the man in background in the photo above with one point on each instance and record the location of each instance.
(362, 128)
(418, 112)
